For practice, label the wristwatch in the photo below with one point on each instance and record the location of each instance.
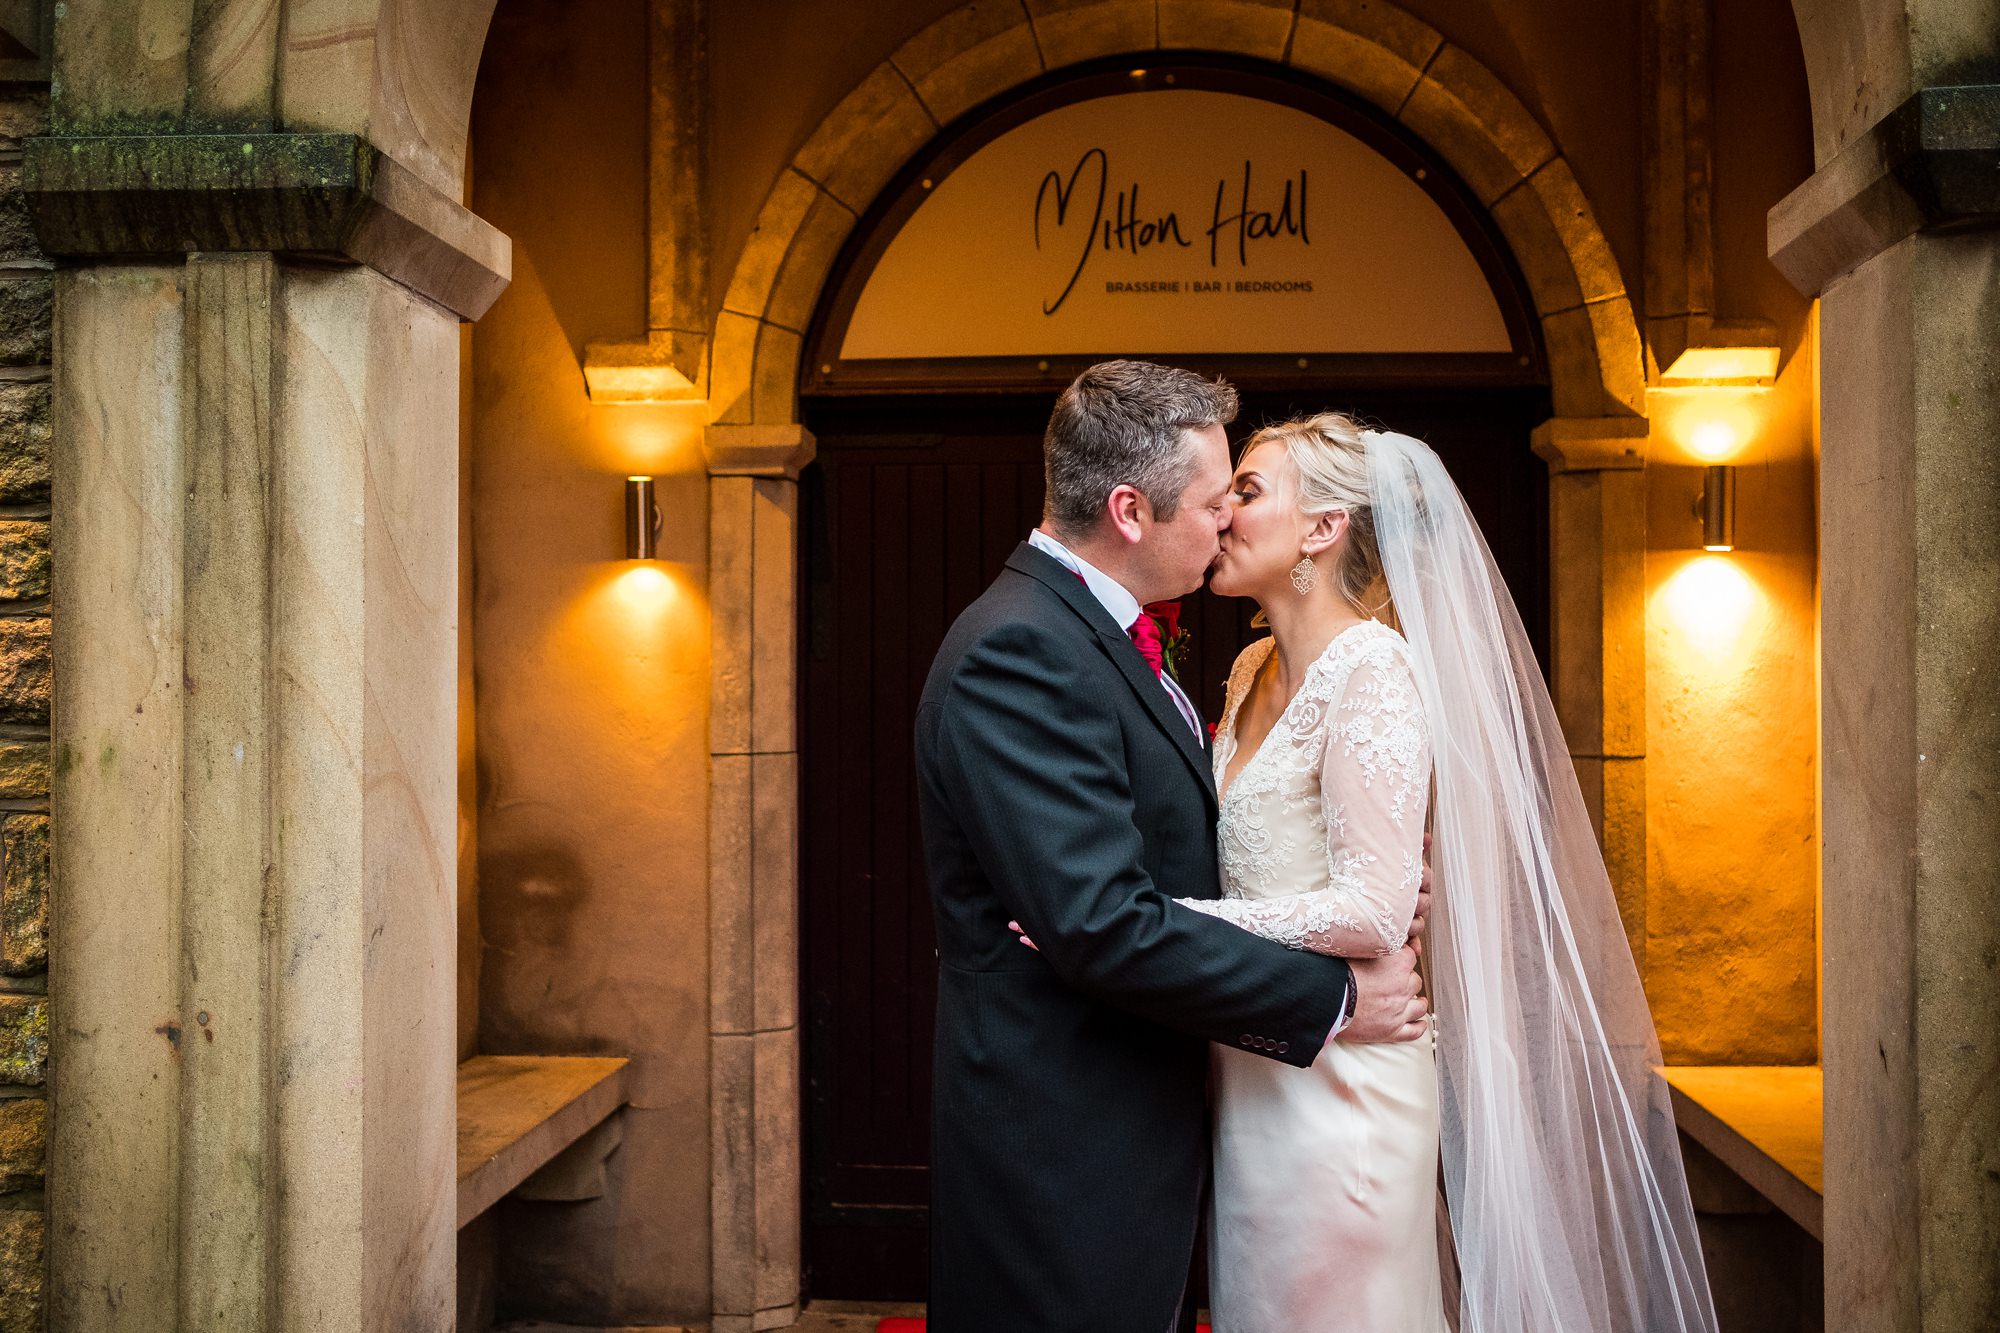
(1346, 1009)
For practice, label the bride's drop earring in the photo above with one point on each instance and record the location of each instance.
(1304, 575)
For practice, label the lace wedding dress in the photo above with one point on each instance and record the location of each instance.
(1325, 1185)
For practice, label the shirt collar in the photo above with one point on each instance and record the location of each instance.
(1122, 606)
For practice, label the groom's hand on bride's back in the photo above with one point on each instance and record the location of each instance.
(1389, 1002)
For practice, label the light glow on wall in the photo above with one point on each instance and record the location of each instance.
(1711, 606)
(630, 628)
(644, 590)
(661, 440)
(1713, 441)
(1709, 424)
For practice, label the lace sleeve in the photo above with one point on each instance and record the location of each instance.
(1374, 777)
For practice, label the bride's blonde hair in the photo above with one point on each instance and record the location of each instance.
(1329, 458)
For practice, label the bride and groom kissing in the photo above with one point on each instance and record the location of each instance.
(1180, 974)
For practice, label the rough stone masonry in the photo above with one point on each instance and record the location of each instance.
(25, 329)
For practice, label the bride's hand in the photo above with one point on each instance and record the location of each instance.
(1423, 913)
(1015, 926)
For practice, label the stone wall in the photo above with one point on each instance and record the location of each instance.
(592, 675)
(25, 326)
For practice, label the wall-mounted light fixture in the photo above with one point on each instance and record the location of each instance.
(642, 519)
(1717, 509)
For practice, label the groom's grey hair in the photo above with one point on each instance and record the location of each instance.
(1125, 423)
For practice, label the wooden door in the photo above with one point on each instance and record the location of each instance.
(908, 513)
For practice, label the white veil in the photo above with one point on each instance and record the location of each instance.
(1562, 1169)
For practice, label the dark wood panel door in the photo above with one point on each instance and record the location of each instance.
(908, 513)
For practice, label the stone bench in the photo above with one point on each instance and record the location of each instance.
(1764, 1123)
(545, 1117)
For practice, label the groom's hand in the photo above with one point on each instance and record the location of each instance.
(1389, 1002)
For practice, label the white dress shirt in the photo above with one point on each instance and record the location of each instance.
(1117, 602)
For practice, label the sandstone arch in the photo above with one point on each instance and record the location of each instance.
(986, 48)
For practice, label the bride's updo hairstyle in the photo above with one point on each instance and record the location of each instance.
(1329, 461)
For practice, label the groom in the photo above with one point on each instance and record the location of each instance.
(1064, 783)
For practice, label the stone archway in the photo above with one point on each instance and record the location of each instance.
(756, 445)
(1377, 52)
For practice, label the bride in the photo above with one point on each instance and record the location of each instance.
(1396, 692)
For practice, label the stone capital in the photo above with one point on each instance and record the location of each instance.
(324, 195)
(758, 451)
(1591, 444)
(668, 366)
(1929, 164)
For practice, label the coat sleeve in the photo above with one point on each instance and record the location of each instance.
(1033, 767)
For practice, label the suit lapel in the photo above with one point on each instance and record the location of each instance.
(1124, 654)
(1132, 664)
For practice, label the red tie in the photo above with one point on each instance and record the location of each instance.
(1145, 635)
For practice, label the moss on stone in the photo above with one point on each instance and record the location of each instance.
(168, 193)
(24, 1039)
(197, 161)
(24, 895)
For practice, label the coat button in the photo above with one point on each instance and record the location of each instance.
(1283, 1047)
(1248, 1040)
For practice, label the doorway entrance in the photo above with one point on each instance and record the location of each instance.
(908, 513)
(1213, 213)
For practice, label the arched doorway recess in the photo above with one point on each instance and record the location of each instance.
(756, 444)
(1372, 280)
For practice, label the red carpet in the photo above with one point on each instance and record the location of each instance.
(917, 1326)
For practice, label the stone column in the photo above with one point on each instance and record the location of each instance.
(1897, 235)
(255, 538)
(754, 873)
(1597, 602)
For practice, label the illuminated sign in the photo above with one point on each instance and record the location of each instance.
(1174, 220)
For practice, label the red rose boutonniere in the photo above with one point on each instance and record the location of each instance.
(1173, 639)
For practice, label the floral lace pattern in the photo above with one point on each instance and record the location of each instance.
(1322, 829)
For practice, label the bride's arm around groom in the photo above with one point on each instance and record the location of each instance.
(1033, 765)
